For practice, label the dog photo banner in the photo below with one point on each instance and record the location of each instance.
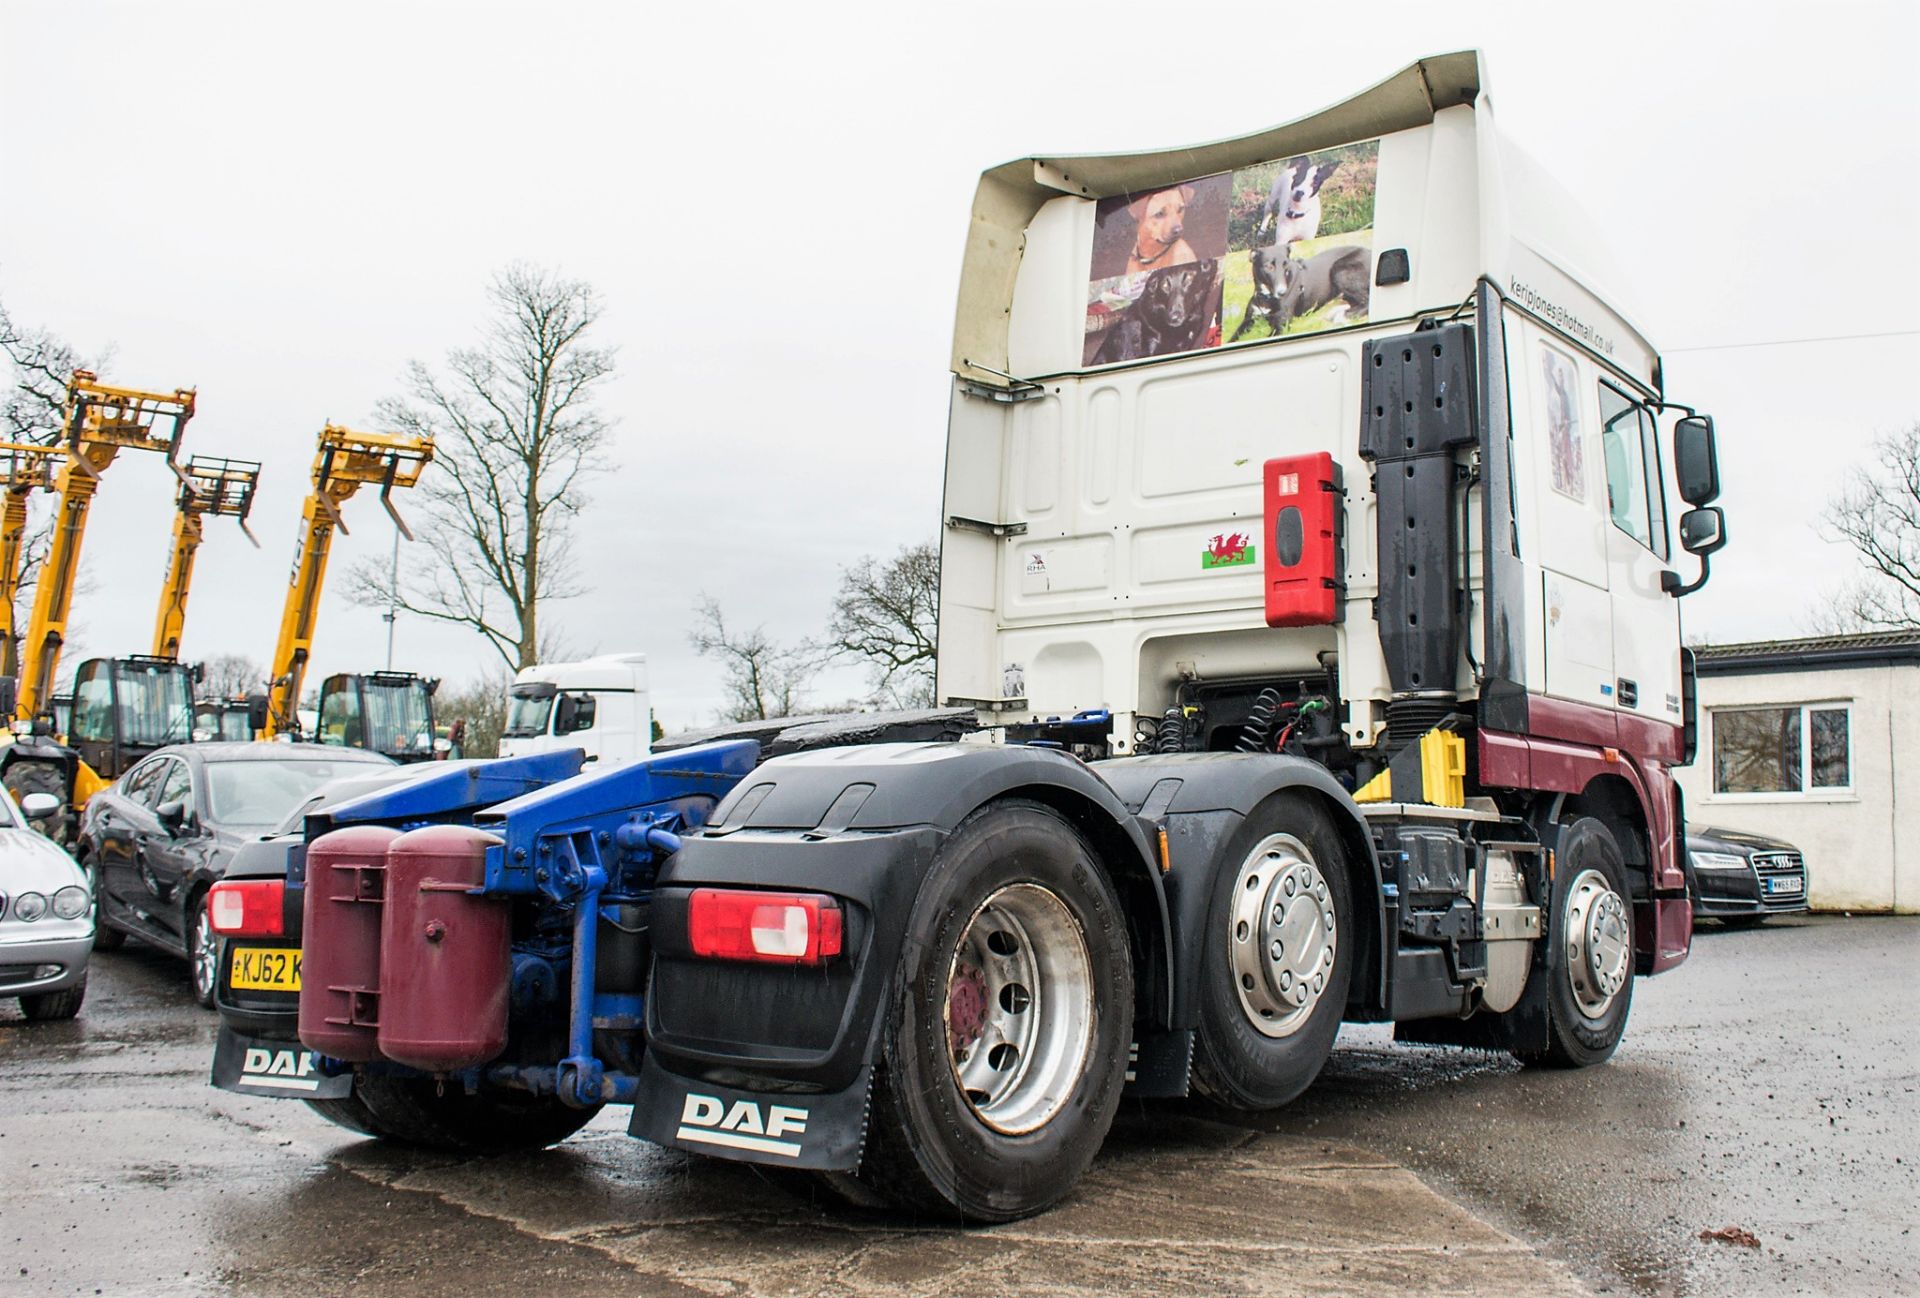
(1282, 247)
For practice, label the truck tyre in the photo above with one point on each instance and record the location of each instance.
(1277, 957)
(347, 1111)
(1004, 1045)
(436, 1115)
(50, 1006)
(1589, 967)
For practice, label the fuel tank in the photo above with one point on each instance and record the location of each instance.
(340, 941)
(445, 962)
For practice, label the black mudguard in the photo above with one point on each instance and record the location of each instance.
(863, 824)
(1201, 799)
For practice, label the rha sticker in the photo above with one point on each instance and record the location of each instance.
(1229, 550)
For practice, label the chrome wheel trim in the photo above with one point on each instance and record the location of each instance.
(1599, 943)
(1282, 936)
(1019, 1010)
(205, 953)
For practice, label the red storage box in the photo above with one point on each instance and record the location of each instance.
(1303, 507)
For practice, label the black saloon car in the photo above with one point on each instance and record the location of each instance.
(162, 834)
(1741, 878)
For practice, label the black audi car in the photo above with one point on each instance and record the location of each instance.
(161, 835)
(1740, 878)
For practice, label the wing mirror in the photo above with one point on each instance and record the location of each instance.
(172, 816)
(1696, 465)
(39, 806)
(1702, 531)
(257, 711)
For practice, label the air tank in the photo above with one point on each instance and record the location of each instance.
(340, 940)
(445, 962)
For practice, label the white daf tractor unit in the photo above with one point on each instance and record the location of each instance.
(599, 704)
(1330, 674)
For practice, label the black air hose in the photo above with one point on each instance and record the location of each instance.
(1256, 732)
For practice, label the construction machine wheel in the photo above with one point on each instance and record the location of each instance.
(1280, 946)
(27, 775)
(1004, 1047)
(442, 1115)
(1589, 967)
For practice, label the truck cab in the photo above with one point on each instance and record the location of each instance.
(599, 705)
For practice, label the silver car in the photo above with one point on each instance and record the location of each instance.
(46, 916)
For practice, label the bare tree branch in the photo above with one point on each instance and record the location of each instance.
(516, 441)
(1877, 512)
(886, 615)
(764, 678)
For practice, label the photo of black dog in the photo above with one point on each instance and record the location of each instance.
(1175, 312)
(1286, 288)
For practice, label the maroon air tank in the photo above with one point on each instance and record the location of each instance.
(445, 963)
(340, 941)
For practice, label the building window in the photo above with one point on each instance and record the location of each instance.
(1800, 749)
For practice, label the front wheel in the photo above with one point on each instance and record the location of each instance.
(53, 1006)
(1279, 956)
(1589, 968)
(1005, 1045)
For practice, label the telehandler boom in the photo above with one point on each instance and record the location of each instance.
(211, 486)
(24, 469)
(100, 420)
(346, 461)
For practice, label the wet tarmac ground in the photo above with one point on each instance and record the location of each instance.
(1771, 1084)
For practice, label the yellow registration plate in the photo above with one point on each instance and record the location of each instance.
(266, 969)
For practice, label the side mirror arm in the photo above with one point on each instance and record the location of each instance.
(1670, 580)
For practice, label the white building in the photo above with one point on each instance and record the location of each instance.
(1809, 741)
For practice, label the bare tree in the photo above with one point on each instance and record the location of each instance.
(39, 366)
(764, 678)
(886, 615)
(479, 710)
(516, 438)
(232, 675)
(1877, 512)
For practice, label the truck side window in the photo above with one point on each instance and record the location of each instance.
(1635, 501)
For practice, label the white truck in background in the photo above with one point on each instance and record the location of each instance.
(599, 704)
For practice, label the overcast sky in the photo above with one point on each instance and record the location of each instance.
(283, 204)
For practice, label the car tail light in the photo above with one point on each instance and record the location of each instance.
(248, 907)
(770, 927)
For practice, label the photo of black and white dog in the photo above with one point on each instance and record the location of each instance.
(1292, 210)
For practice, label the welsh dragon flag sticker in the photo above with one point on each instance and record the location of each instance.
(1230, 550)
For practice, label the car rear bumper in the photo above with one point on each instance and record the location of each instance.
(46, 965)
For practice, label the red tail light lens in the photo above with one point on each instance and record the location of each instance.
(248, 907)
(769, 927)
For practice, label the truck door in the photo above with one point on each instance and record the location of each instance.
(1577, 616)
(1646, 620)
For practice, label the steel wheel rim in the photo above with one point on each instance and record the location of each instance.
(206, 953)
(1599, 943)
(1019, 1011)
(1282, 936)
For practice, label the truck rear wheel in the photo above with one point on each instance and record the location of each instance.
(435, 1115)
(1278, 957)
(1589, 968)
(1005, 1044)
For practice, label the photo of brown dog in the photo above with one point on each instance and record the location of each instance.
(1139, 241)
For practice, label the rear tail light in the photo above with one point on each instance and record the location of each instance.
(248, 907)
(769, 927)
